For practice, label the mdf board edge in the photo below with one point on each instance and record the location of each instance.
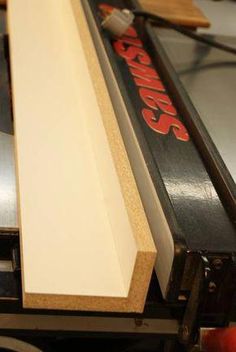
(145, 249)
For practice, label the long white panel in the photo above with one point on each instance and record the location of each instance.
(76, 235)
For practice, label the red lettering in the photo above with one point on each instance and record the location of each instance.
(132, 52)
(132, 41)
(139, 70)
(157, 100)
(131, 32)
(150, 83)
(106, 9)
(165, 124)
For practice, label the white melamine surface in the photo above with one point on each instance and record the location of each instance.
(72, 212)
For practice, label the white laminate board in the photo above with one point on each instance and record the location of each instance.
(70, 199)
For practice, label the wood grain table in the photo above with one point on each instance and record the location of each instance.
(183, 12)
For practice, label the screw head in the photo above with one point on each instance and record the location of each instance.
(217, 263)
(212, 287)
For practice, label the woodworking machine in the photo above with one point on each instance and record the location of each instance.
(185, 180)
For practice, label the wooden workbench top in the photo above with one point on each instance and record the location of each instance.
(183, 12)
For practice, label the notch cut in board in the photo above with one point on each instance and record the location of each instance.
(85, 240)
